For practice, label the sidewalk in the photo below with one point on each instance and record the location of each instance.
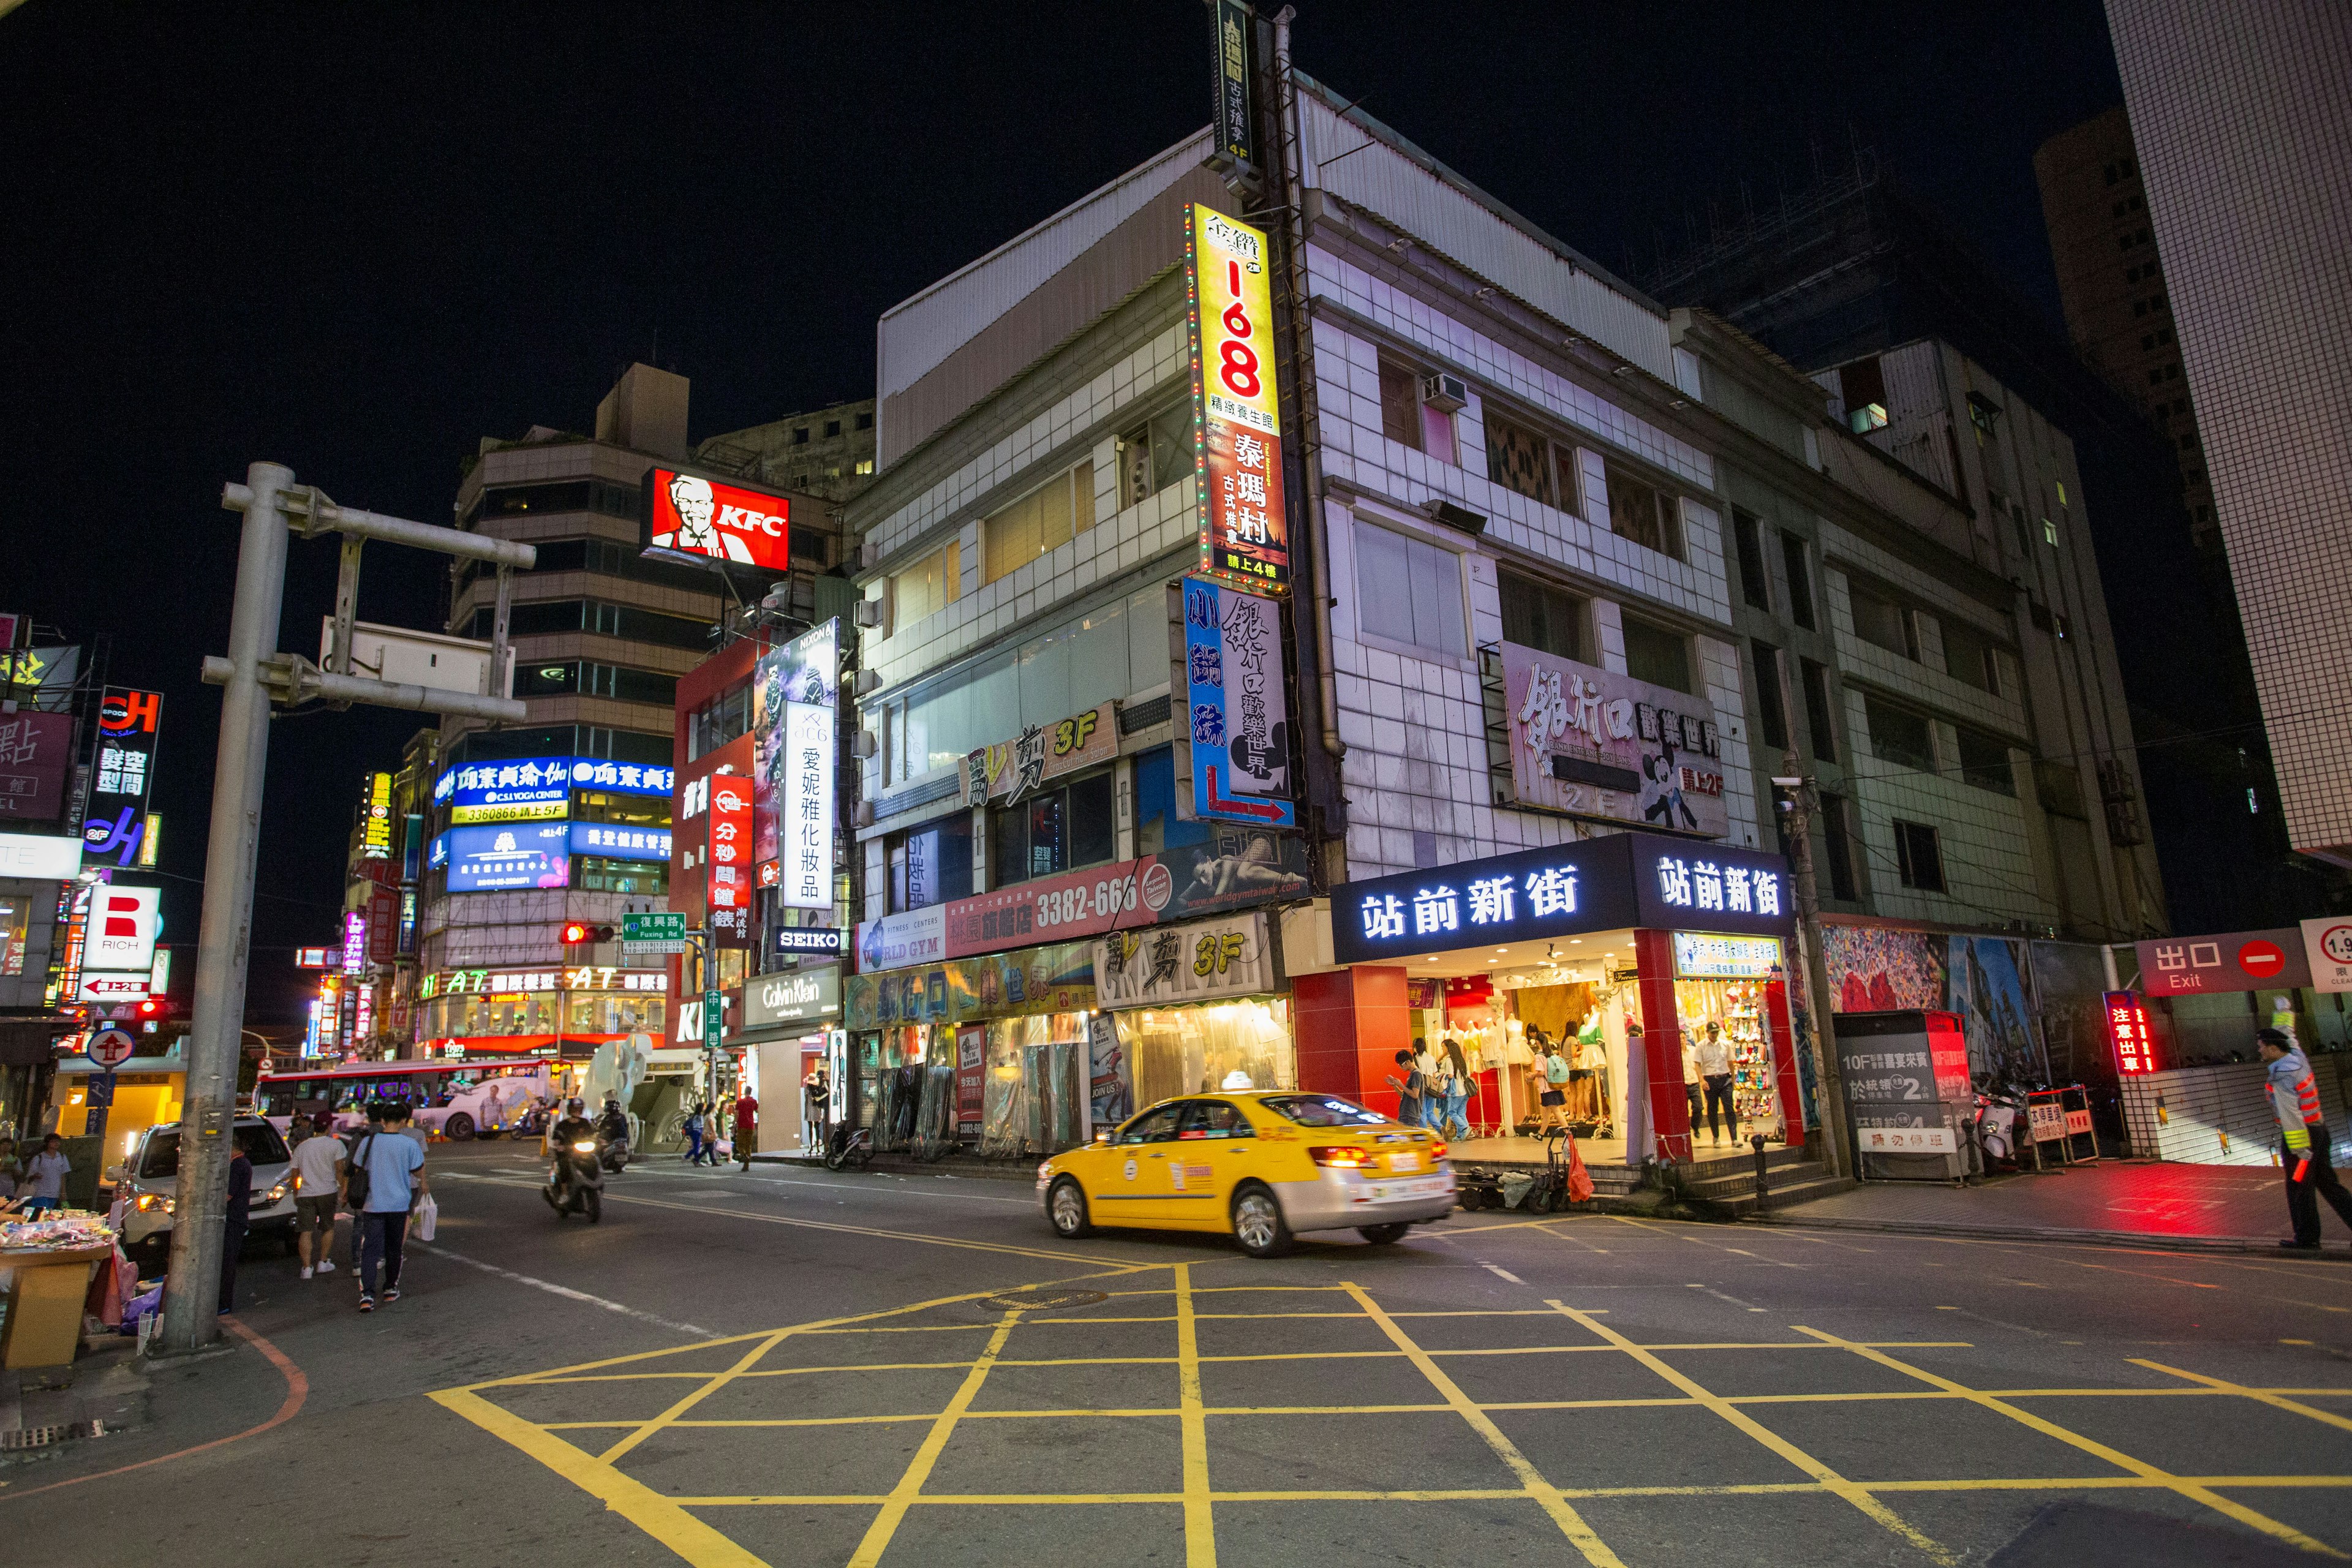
(2229, 1208)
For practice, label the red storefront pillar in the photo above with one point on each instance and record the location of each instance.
(1349, 1025)
(1653, 965)
(1783, 1040)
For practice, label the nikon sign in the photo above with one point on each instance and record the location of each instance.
(806, 995)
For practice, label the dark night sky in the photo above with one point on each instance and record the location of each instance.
(355, 240)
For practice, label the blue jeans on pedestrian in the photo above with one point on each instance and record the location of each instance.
(380, 1238)
(1458, 1102)
(693, 1147)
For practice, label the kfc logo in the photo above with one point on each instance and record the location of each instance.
(693, 516)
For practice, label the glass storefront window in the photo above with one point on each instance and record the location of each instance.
(16, 921)
(1195, 1049)
(1031, 1100)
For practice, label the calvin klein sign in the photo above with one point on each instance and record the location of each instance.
(804, 995)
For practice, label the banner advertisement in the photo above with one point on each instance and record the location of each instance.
(39, 856)
(1017, 768)
(1237, 715)
(36, 755)
(1589, 743)
(690, 863)
(1235, 138)
(532, 788)
(1055, 979)
(1238, 474)
(1200, 961)
(690, 518)
(971, 1073)
(802, 996)
(122, 929)
(375, 834)
(127, 725)
(523, 855)
(795, 708)
(726, 798)
(1235, 871)
(619, 841)
(1110, 1094)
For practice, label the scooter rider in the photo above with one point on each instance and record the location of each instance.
(612, 1133)
(574, 1128)
(2303, 1128)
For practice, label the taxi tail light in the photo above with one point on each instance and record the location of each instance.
(1437, 1148)
(1359, 1159)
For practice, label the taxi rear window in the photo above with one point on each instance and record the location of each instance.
(1321, 1111)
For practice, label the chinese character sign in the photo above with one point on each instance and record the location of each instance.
(128, 724)
(375, 838)
(728, 809)
(1590, 743)
(795, 696)
(1236, 713)
(1245, 531)
(2128, 1028)
(354, 942)
(36, 755)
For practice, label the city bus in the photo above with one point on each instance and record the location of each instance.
(457, 1099)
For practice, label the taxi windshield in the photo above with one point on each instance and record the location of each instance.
(1321, 1111)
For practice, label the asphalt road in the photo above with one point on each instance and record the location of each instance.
(795, 1368)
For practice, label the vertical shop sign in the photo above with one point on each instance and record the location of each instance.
(36, 751)
(355, 945)
(796, 700)
(730, 811)
(128, 724)
(375, 840)
(1109, 1098)
(972, 1071)
(1235, 140)
(2128, 1028)
(1237, 422)
(1236, 729)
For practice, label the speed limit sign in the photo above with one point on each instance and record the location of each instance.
(110, 1049)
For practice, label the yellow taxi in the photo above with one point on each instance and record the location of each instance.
(1260, 1165)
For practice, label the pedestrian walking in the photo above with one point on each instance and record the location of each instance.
(694, 1125)
(385, 1181)
(2303, 1129)
(318, 1164)
(44, 1186)
(1714, 1058)
(746, 1127)
(233, 1216)
(1411, 1088)
(816, 1100)
(1453, 1078)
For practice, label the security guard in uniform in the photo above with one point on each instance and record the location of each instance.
(2310, 1164)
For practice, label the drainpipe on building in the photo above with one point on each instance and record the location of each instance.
(1798, 802)
(1293, 184)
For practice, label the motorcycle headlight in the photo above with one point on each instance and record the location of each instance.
(583, 1148)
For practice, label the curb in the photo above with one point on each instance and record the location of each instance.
(889, 1165)
(2265, 1245)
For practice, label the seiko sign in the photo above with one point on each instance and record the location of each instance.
(807, 994)
(824, 940)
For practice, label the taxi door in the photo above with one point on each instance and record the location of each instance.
(1214, 1146)
(1132, 1182)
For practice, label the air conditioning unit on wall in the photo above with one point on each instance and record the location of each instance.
(1445, 392)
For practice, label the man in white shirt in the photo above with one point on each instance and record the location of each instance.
(317, 1183)
(1712, 1056)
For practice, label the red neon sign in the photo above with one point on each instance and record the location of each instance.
(2128, 1028)
(689, 515)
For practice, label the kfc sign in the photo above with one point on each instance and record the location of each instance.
(703, 520)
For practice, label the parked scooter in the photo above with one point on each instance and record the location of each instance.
(1997, 1128)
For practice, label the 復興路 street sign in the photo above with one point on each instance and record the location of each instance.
(653, 931)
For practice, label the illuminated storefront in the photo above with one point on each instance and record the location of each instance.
(548, 1011)
(1195, 1008)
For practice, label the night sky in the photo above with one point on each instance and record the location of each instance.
(357, 240)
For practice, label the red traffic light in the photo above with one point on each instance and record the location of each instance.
(577, 934)
(152, 1009)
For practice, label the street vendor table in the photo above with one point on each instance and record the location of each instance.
(44, 1298)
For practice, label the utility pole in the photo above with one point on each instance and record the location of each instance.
(253, 677)
(1798, 805)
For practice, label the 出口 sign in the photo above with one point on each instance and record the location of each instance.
(2230, 961)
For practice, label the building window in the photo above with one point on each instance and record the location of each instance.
(1157, 825)
(2050, 532)
(1055, 829)
(1970, 657)
(1882, 622)
(931, 865)
(1918, 857)
(1540, 616)
(1044, 519)
(800, 437)
(1771, 717)
(1749, 538)
(1801, 580)
(1641, 513)
(1401, 403)
(1898, 735)
(1984, 761)
(1820, 718)
(1516, 458)
(1155, 455)
(864, 465)
(1657, 654)
(1838, 838)
(927, 587)
(1409, 591)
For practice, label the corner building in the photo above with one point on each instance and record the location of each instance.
(1531, 810)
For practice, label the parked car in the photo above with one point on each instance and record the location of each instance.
(150, 1180)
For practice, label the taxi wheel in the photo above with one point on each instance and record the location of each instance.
(1066, 1205)
(1382, 1235)
(1258, 1224)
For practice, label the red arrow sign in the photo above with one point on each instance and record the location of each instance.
(1272, 812)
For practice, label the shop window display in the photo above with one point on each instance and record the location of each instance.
(1738, 1007)
(1198, 1049)
(1031, 1101)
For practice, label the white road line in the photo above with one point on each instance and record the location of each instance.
(1497, 1269)
(1721, 1297)
(565, 1290)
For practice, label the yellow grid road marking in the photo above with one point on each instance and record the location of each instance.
(1531, 1481)
(1199, 1513)
(2122, 1461)
(919, 1469)
(1859, 1497)
(2275, 1400)
(710, 1385)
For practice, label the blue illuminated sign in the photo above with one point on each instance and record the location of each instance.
(619, 841)
(528, 781)
(506, 855)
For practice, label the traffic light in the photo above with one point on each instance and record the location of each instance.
(577, 934)
(153, 1007)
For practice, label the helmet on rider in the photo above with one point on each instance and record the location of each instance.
(574, 1105)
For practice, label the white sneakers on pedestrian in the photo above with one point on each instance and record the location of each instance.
(326, 1267)
(306, 1273)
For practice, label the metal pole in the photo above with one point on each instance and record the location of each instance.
(217, 1025)
(1800, 836)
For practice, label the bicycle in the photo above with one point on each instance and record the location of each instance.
(849, 1145)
